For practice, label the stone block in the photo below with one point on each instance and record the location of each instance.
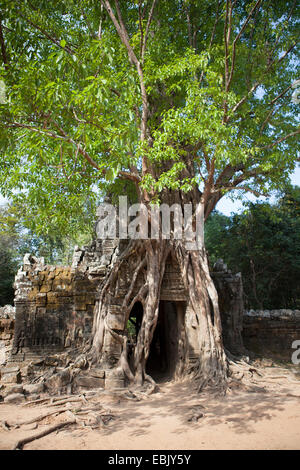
(52, 297)
(11, 389)
(97, 373)
(58, 381)
(114, 379)
(115, 322)
(87, 381)
(15, 398)
(41, 299)
(11, 377)
(46, 287)
(33, 388)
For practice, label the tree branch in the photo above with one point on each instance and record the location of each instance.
(3, 47)
(150, 17)
(53, 39)
(292, 134)
(257, 5)
(79, 148)
(120, 27)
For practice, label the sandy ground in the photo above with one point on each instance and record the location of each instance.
(240, 420)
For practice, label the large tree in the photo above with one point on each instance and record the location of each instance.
(263, 244)
(184, 100)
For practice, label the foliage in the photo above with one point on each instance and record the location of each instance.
(172, 94)
(263, 243)
(17, 237)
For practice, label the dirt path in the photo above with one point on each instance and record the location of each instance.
(241, 420)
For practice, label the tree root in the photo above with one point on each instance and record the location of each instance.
(20, 444)
(4, 425)
(38, 418)
(68, 400)
(36, 402)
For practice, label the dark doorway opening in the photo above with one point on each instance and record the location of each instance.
(164, 350)
(133, 327)
(135, 321)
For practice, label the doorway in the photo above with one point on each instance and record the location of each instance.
(165, 350)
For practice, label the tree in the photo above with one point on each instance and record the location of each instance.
(187, 100)
(18, 236)
(263, 244)
(216, 236)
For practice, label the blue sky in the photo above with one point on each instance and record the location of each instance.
(226, 206)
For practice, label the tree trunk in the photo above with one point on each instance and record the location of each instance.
(148, 259)
(211, 367)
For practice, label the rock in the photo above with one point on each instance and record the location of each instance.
(97, 373)
(220, 266)
(11, 377)
(86, 381)
(34, 388)
(34, 397)
(58, 381)
(114, 378)
(12, 389)
(15, 398)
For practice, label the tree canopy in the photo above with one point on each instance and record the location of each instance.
(18, 236)
(159, 94)
(263, 244)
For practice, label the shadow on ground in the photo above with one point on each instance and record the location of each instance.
(178, 401)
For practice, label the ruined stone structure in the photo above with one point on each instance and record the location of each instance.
(271, 333)
(54, 311)
(7, 325)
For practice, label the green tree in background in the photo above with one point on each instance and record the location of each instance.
(262, 243)
(17, 237)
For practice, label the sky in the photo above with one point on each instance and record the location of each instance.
(226, 206)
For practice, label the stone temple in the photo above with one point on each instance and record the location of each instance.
(55, 304)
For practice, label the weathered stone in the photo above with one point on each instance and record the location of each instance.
(87, 381)
(41, 299)
(11, 377)
(33, 388)
(10, 389)
(15, 398)
(97, 373)
(8, 311)
(46, 287)
(271, 332)
(58, 381)
(54, 309)
(116, 322)
(52, 297)
(114, 379)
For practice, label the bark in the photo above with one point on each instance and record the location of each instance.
(20, 444)
(148, 258)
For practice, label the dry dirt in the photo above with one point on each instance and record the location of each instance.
(240, 420)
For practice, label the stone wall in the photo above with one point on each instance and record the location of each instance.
(231, 304)
(54, 308)
(271, 332)
(7, 324)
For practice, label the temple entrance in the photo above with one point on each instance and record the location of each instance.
(164, 353)
(169, 339)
